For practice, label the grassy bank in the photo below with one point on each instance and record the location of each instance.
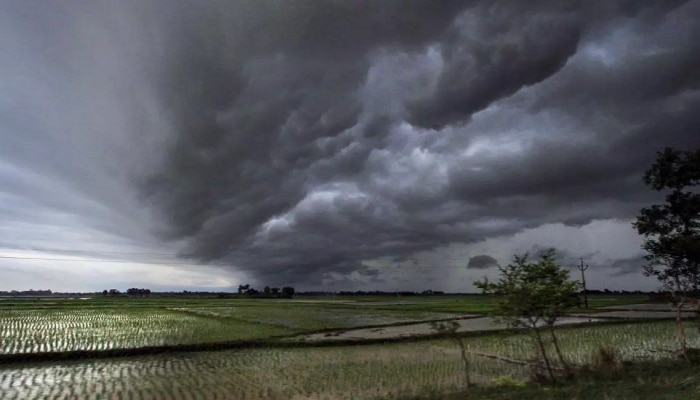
(660, 380)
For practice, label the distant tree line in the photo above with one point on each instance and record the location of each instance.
(131, 292)
(268, 291)
(30, 292)
(138, 292)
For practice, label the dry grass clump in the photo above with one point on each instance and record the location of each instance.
(607, 360)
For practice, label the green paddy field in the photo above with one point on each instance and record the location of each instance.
(195, 348)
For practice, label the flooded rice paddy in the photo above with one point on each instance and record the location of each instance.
(278, 371)
(41, 330)
(342, 372)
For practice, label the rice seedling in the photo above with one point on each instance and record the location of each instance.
(353, 372)
(52, 330)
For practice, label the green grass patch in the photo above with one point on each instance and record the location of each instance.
(663, 380)
(311, 318)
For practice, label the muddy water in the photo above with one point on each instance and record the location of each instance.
(146, 378)
(248, 374)
(422, 329)
(364, 371)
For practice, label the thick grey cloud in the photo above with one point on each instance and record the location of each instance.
(69, 146)
(292, 153)
(307, 142)
(628, 265)
(482, 261)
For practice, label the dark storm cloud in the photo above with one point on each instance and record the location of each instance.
(482, 261)
(317, 142)
(493, 52)
(618, 115)
(627, 266)
(595, 266)
(272, 136)
(265, 107)
(496, 50)
(290, 155)
(563, 257)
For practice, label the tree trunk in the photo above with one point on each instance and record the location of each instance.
(679, 317)
(543, 352)
(466, 362)
(681, 330)
(558, 350)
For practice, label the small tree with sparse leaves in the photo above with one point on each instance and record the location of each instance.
(449, 329)
(533, 295)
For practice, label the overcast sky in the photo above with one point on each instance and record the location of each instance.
(331, 144)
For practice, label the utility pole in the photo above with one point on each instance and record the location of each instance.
(583, 269)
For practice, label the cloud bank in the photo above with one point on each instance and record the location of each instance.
(344, 144)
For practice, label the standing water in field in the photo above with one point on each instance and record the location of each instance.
(365, 371)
